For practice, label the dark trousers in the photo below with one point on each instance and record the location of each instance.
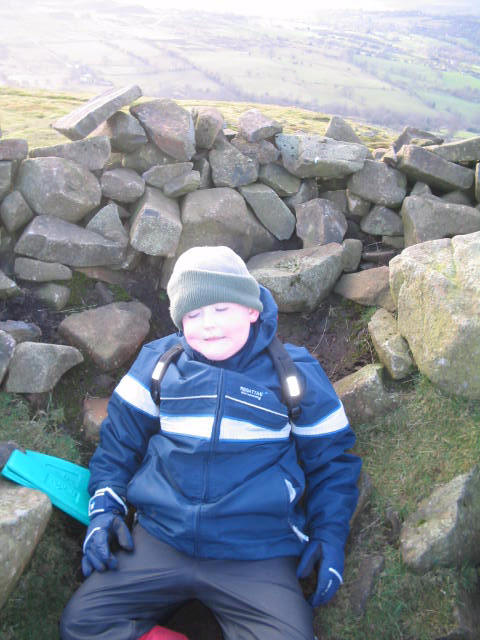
(252, 600)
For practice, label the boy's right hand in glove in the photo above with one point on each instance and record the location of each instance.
(106, 510)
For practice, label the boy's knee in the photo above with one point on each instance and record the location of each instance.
(71, 622)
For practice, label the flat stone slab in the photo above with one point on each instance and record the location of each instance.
(123, 185)
(279, 179)
(124, 131)
(55, 296)
(58, 187)
(364, 396)
(381, 221)
(146, 157)
(92, 153)
(169, 126)
(429, 218)
(420, 164)
(107, 223)
(156, 224)
(263, 152)
(270, 210)
(21, 331)
(38, 271)
(370, 288)
(182, 185)
(36, 367)
(24, 515)
(13, 149)
(128, 323)
(51, 239)
(159, 175)
(254, 126)
(230, 168)
(298, 279)
(15, 212)
(379, 184)
(459, 151)
(86, 118)
(319, 222)
(392, 349)
(310, 156)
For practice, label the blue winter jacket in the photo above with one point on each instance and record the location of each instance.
(223, 472)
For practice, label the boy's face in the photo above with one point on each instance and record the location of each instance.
(218, 331)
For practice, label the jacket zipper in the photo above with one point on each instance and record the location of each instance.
(211, 452)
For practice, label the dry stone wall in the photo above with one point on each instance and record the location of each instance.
(310, 214)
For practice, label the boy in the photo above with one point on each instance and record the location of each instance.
(215, 482)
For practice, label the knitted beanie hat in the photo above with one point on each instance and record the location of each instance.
(207, 275)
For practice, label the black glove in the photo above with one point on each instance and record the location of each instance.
(106, 510)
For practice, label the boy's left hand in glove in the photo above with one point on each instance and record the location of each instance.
(330, 561)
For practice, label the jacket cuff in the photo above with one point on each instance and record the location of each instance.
(106, 499)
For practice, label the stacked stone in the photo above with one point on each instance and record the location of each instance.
(302, 209)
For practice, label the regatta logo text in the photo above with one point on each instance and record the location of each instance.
(251, 393)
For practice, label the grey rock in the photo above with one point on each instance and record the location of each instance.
(156, 224)
(53, 295)
(420, 189)
(270, 210)
(477, 182)
(309, 156)
(426, 218)
(108, 224)
(379, 153)
(370, 288)
(124, 131)
(459, 151)
(159, 175)
(230, 168)
(379, 183)
(338, 197)
(92, 153)
(128, 323)
(420, 164)
(208, 123)
(124, 185)
(146, 157)
(308, 191)
(58, 187)
(53, 240)
(13, 149)
(444, 531)
(339, 129)
(24, 514)
(263, 152)
(254, 126)
(279, 179)
(6, 177)
(15, 212)
(169, 126)
(202, 165)
(436, 286)
(352, 252)
(358, 207)
(21, 331)
(392, 349)
(8, 288)
(382, 221)
(7, 347)
(409, 134)
(320, 222)
(457, 197)
(37, 271)
(7, 447)
(364, 396)
(86, 118)
(397, 242)
(36, 367)
(363, 586)
(182, 185)
(298, 279)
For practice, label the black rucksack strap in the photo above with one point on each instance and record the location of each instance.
(160, 368)
(288, 375)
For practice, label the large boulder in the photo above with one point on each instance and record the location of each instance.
(369, 287)
(444, 531)
(391, 347)
(320, 221)
(420, 164)
(310, 156)
(430, 218)
(436, 286)
(123, 185)
(128, 323)
(230, 168)
(24, 514)
(169, 126)
(208, 123)
(299, 279)
(161, 174)
(156, 225)
(382, 221)
(13, 149)
(58, 187)
(279, 179)
(51, 239)
(263, 152)
(86, 118)
(124, 131)
(6, 177)
(255, 126)
(146, 157)
(379, 183)
(36, 367)
(459, 151)
(270, 209)
(340, 129)
(92, 153)
(15, 212)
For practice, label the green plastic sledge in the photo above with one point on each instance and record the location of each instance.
(65, 483)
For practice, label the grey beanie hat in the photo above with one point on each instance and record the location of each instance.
(206, 275)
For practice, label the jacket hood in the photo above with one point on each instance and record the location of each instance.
(262, 333)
